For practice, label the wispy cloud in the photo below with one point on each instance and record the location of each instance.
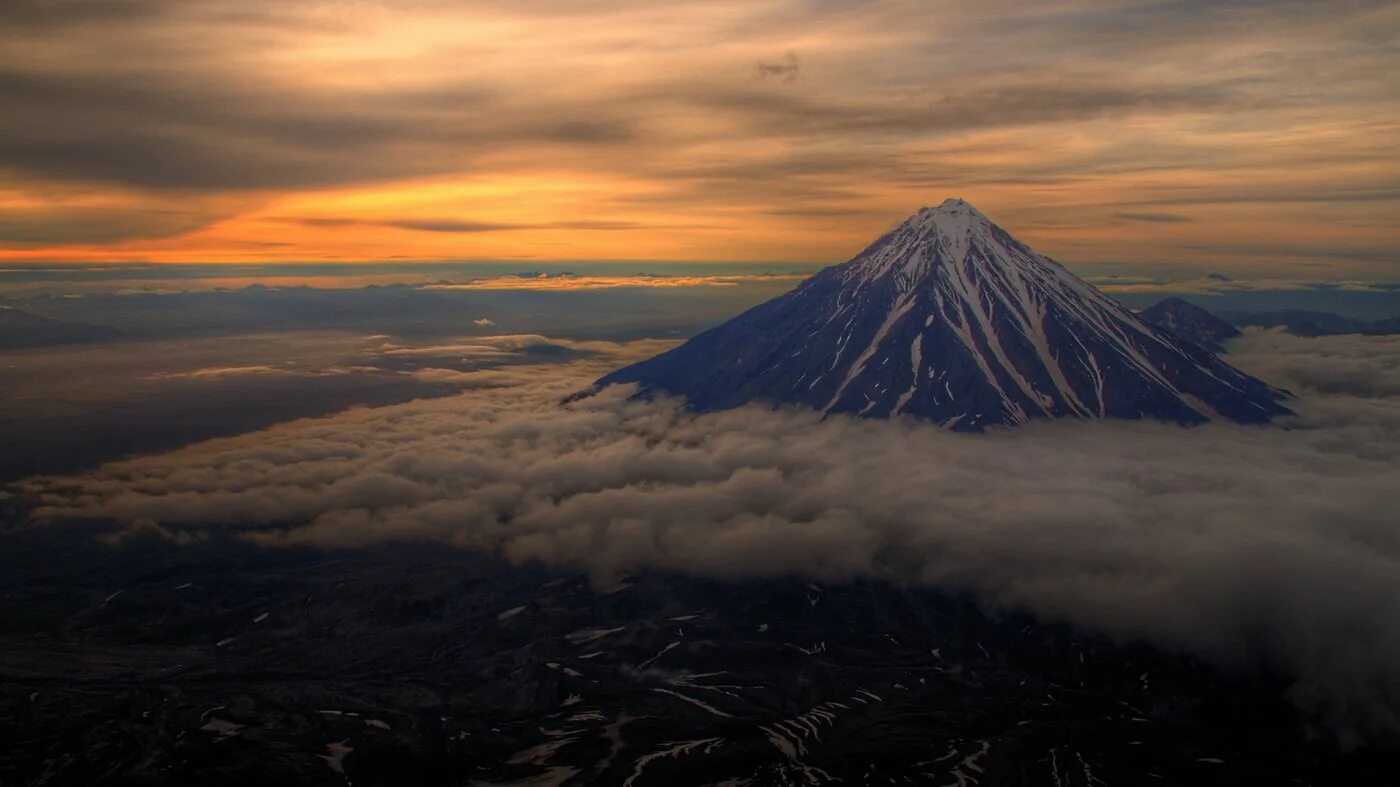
(717, 131)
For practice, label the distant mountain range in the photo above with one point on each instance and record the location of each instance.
(20, 329)
(1310, 323)
(948, 317)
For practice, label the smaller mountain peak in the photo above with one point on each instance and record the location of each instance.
(1178, 304)
(1188, 321)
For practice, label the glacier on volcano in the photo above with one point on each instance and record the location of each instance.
(949, 318)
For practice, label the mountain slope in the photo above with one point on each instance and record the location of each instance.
(947, 317)
(1186, 320)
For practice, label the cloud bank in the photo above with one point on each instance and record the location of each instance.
(1216, 284)
(575, 282)
(1272, 547)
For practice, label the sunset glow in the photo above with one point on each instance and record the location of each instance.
(560, 393)
(1249, 138)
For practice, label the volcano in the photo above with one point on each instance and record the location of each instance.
(949, 318)
(1186, 320)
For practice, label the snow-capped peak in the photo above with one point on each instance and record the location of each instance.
(951, 216)
(944, 233)
(954, 208)
(954, 218)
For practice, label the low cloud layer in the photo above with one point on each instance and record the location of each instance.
(1217, 284)
(575, 282)
(1274, 546)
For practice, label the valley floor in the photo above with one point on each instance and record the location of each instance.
(221, 663)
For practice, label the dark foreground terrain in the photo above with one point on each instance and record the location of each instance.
(221, 663)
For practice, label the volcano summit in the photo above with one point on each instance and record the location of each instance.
(947, 317)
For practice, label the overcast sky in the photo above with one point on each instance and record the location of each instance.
(1248, 137)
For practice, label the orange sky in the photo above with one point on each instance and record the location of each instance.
(1250, 138)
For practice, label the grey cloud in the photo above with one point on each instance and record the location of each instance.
(786, 69)
(1008, 101)
(190, 122)
(1130, 30)
(211, 131)
(181, 131)
(1331, 194)
(48, 14)
(1250, 546)
(179, 98)
(22, 229)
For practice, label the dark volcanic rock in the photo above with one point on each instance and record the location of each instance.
(1188, 321)
(948, 317)
(220, 663)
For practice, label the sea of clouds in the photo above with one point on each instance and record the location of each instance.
(1274, 546)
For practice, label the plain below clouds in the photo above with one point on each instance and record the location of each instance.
(1274, 546)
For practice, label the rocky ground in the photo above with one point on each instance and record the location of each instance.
(221, 663)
